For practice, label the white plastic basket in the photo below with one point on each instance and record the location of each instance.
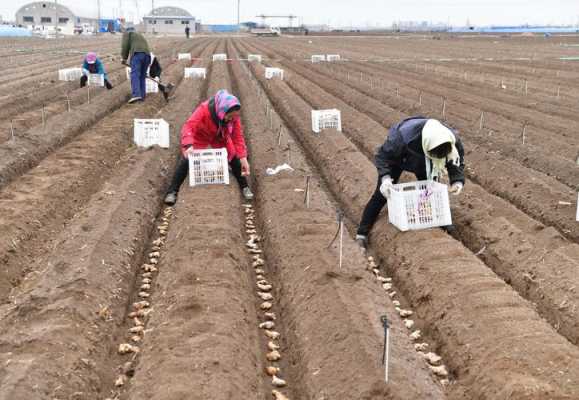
(208, 167)
(150, 132)
(69, 74)
(273, 73)
(254, 57)
(220, 57)
(419, 205)
(326, 119)
(184, 56)
(97, 80)
(316, 58)
(200, 73)
(333, 57)
(151, 85)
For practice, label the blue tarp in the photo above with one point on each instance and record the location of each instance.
(520, 29)
(222, 28)
(6, 30)
(109, 25)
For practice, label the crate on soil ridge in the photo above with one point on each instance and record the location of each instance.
(220, 57)
(195, 73)
(208, 167)
(254, 57)
(316, 58)
(333, 57)
(151, 85)
(69, 74)
(184, 56)
(326, 119)
(419, 205)
(273, 72)
(97, 80)
(151, 132)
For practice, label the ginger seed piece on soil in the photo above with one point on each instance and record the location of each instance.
(278, 395)
(147, 275)
(271, 316)
(416, 335)
(145, 286)
(144, 294)
(136, 338)
(141, 304)
(421, 346)
(259, 271)
(396, 303)
(275, 381)
(125, 348)
(271, 371)
(267, 325)
(392, 294)
(444, 382)
(409, 323)
(260, 277)
(121, 380)
(264, 288)
(136, 329)
(272, 346)
(265, 296)
(272, 334)
(154, 254)
(433, 358)
(387, 286)
(138, 322)
(266, 305)
(439, 371)
(273, 356)
(128, 369)
(405, 313)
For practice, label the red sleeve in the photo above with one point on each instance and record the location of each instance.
(238, 139)
(190, 127)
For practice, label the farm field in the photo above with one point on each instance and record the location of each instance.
(105, 293)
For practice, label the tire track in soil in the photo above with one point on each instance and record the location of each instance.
(204, 344)
(529, 190)
(47, 196)
(536, 260)
(331, 315)
(58, 338)
(483, 328)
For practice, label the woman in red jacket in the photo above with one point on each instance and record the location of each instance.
(214, 124)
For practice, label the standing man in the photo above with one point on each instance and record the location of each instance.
(187, 30)
(135, 46)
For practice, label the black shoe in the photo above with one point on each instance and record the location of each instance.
(108, 85)
(171, 199)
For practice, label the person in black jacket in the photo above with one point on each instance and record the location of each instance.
(419, 145)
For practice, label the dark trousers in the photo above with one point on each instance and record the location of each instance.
(84, 80)
(377, 203)
(183, 170)
(139, 65)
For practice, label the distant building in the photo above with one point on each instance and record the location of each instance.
(172, 20)
(45, 17)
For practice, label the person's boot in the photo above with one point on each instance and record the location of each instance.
(362, 241)
(135, 100)
(247, 193)
(171, 199)
(108, 85)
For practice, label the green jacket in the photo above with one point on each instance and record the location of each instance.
(133, 42)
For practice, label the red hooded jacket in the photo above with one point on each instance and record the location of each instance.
(202, 132)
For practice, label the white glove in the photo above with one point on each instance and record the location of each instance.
(386, 186)
(456, 188)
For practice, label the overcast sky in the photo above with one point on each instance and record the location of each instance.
(343, 12)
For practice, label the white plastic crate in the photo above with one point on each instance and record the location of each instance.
(97, 80)
(184, 56)
(69, 74)
(150, 83)
(326, 119)
(151, 86)
(254, 57)
(150, 132)
(273, 73)
(419, 205)
(333, 57)
(220, 57)
(316, 58)
(196, 73)
(208, 167)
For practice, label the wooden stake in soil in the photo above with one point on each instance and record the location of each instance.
(482, 120)
(420, 98)
(11, 130)
(558, 92)
(524, 132)
(88, 93)
(307, 197)
(279, 135)
(443, 108)
(68, 102)
(43, 116)
(526, 87)
(386, 353)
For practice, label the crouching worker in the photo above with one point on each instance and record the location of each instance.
(214, 124)
(155, 71)
(419, 145)
(92, 65)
